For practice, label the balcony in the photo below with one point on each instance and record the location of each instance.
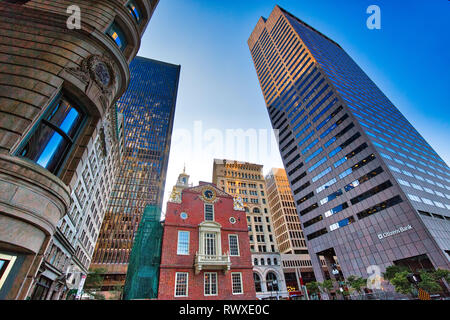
(212, 262)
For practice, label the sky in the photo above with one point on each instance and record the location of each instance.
(219, 93)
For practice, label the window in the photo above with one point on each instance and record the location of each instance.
(316, 234)
(236, 282)
(336, 209)
(234, 244)
(272, 282)
(369, 193)
(6, 263)
(183, 242)
(181, 284)
(135, 11)
(54, 135)
(257, 280)
(210, 284)
(342, 223)
(116, 33)
(312, 221)
(209, 212)
(332, 196)
(379, 207)
(210, 244)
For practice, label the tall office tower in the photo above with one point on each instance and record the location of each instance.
(58, 81)
(148, 107)
(288, 230)
(369, 189)
(245, 181)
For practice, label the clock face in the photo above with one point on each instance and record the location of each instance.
(208, 194)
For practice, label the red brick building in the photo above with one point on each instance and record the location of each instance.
(205, 247)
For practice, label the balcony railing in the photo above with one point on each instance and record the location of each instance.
(212, 262)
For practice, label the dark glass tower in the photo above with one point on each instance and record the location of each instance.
(148, 107)
(369, 189)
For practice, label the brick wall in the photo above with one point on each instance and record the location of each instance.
(171, 263)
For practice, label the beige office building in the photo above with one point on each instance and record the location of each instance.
(245, 181)
(295, 259)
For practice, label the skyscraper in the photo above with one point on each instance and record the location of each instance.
(148, 107)
(245, 181)
(369, 189)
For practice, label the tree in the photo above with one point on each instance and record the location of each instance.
(430, 282)
(391, 271)
(327, 286)
(430, 279)
(94, 281)
(401, 283)
(313, 288)
(357, 283)
(442, 274)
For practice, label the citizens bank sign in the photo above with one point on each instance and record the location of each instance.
(391, 233)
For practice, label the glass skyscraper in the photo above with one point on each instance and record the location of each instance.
(148, 107)
(368, 188)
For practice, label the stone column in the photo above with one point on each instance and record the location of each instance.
(32, 201)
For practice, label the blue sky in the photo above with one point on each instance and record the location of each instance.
(408, 58)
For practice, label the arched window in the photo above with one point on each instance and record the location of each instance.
(262, 261)
(255, 261)
(256, 210)
(118, 35)
(272, 282)
(134, 10)
(269, 262)
(275, 261)
(257, 280)
(54, 136)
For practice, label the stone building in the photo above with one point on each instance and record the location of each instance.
(56, 84)
(69, 255)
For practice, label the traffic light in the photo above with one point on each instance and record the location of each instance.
(414, 278)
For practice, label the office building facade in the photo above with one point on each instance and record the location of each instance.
(57, 83)
(245, 181)
(368, 188)
(288, 232)
(148, 108)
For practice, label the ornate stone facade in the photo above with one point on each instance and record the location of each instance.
(41, 60)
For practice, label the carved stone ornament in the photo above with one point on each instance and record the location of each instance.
(99, 70)
(175, 196)
(238, 204)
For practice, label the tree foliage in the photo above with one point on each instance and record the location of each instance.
(94, 281)
(313, 287)
(430, 280)
(357, 283)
